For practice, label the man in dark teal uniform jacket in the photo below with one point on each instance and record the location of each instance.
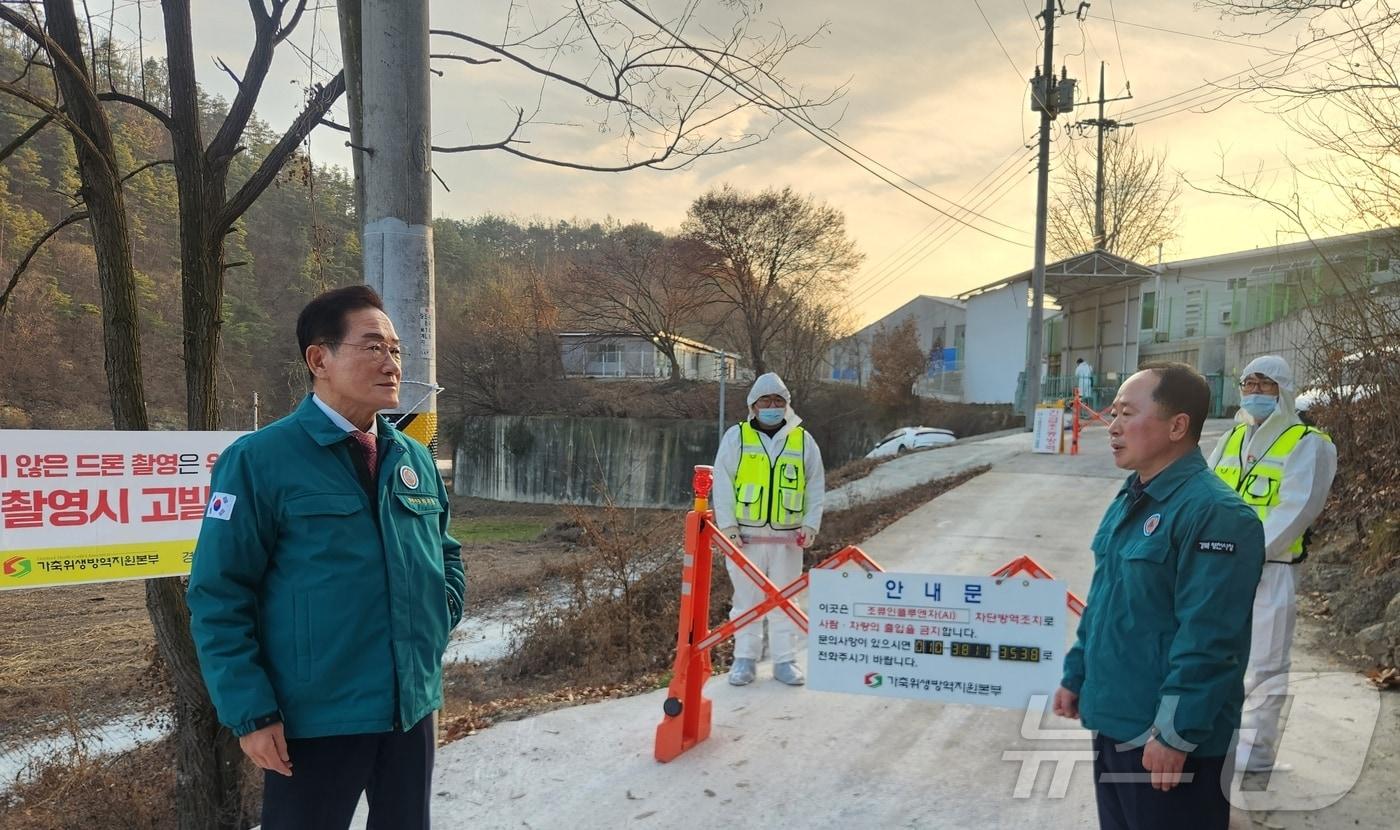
(1158, 666)
(325, 585)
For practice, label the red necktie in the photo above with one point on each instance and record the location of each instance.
(371, 451)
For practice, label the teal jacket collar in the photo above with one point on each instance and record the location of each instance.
(324, 432)
(1166, 482)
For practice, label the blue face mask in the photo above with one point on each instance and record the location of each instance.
(771, 417)
(1259, 407)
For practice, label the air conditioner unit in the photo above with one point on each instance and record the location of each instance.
(1160, 337)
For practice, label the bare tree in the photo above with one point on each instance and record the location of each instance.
(802, 349)
(898, 360)
(1340, 90)
(639, 283)
(101, 201)
(208, 758)
(1139, 193)
(669, 96)
(768, 254)
(507, 344)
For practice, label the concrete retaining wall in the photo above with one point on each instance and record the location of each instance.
(556, 460)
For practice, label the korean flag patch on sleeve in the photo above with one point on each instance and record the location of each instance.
(220, 506)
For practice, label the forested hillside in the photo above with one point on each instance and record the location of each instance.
(298, 239)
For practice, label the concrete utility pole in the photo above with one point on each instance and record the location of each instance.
(1043, 95)
(396, 161)
(1104, 126)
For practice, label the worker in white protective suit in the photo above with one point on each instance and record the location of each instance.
(1084, 379)
(1283, 469)
(768, 492)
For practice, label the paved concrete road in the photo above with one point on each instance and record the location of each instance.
(925, 466)
(781, 757)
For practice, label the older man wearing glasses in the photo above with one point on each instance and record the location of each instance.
(1283, 469)
(325, 584)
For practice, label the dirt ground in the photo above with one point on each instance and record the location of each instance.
(84, 649)
(88, 651)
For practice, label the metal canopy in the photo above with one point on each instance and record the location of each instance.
(1076, 275)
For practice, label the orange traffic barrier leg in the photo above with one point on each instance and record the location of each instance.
(1074, 439)
(1027, 565)
(687, 720)
(687, 711)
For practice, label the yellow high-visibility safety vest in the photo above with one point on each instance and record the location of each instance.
(1259, 483)
(772, 495)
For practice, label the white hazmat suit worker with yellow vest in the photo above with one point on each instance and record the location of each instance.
(1283, 469)
(769, 485)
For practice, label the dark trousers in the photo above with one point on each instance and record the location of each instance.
(394, 770)
(1130, 803)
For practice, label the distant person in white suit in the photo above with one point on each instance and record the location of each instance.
(1084, 379)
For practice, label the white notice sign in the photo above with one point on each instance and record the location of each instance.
(1049, 429)
(956, 639)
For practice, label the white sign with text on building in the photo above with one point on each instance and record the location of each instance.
(956, 639)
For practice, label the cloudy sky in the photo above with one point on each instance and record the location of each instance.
(929, 92)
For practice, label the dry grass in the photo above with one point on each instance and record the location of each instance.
(85, 648)
(127, 791)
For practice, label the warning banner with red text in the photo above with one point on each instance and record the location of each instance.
(101, 506)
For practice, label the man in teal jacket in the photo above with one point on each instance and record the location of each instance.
(325, 585)
(1158, 667)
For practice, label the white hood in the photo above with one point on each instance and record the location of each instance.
(1276, 369)
(770, 384)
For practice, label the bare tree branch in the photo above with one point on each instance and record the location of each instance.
(1140, 196)
(268, 32)
(286, 31)
(147, 166)
(140, 103)
(656, 92)
(54, 112)
(33, 250)
(237, 81)
(450, 56)
(25, 136)
(321, 100)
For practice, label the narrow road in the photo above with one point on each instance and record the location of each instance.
(782, 757)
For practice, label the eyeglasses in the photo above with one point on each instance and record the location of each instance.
(1255, 386)
(377, 352)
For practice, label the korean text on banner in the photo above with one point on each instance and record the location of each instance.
(953, 639)
(101, 506)
(1049, 429)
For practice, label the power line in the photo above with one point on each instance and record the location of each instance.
(993, 193)
(873, 270)
(1211, 92)
(1226, 41)
(1034, 26)
(1014, 68)
(825, 136)
(1122, 64)
(893, 259)
(934, 245)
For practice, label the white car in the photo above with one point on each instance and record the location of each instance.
(909, 439)
(1353, 381)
